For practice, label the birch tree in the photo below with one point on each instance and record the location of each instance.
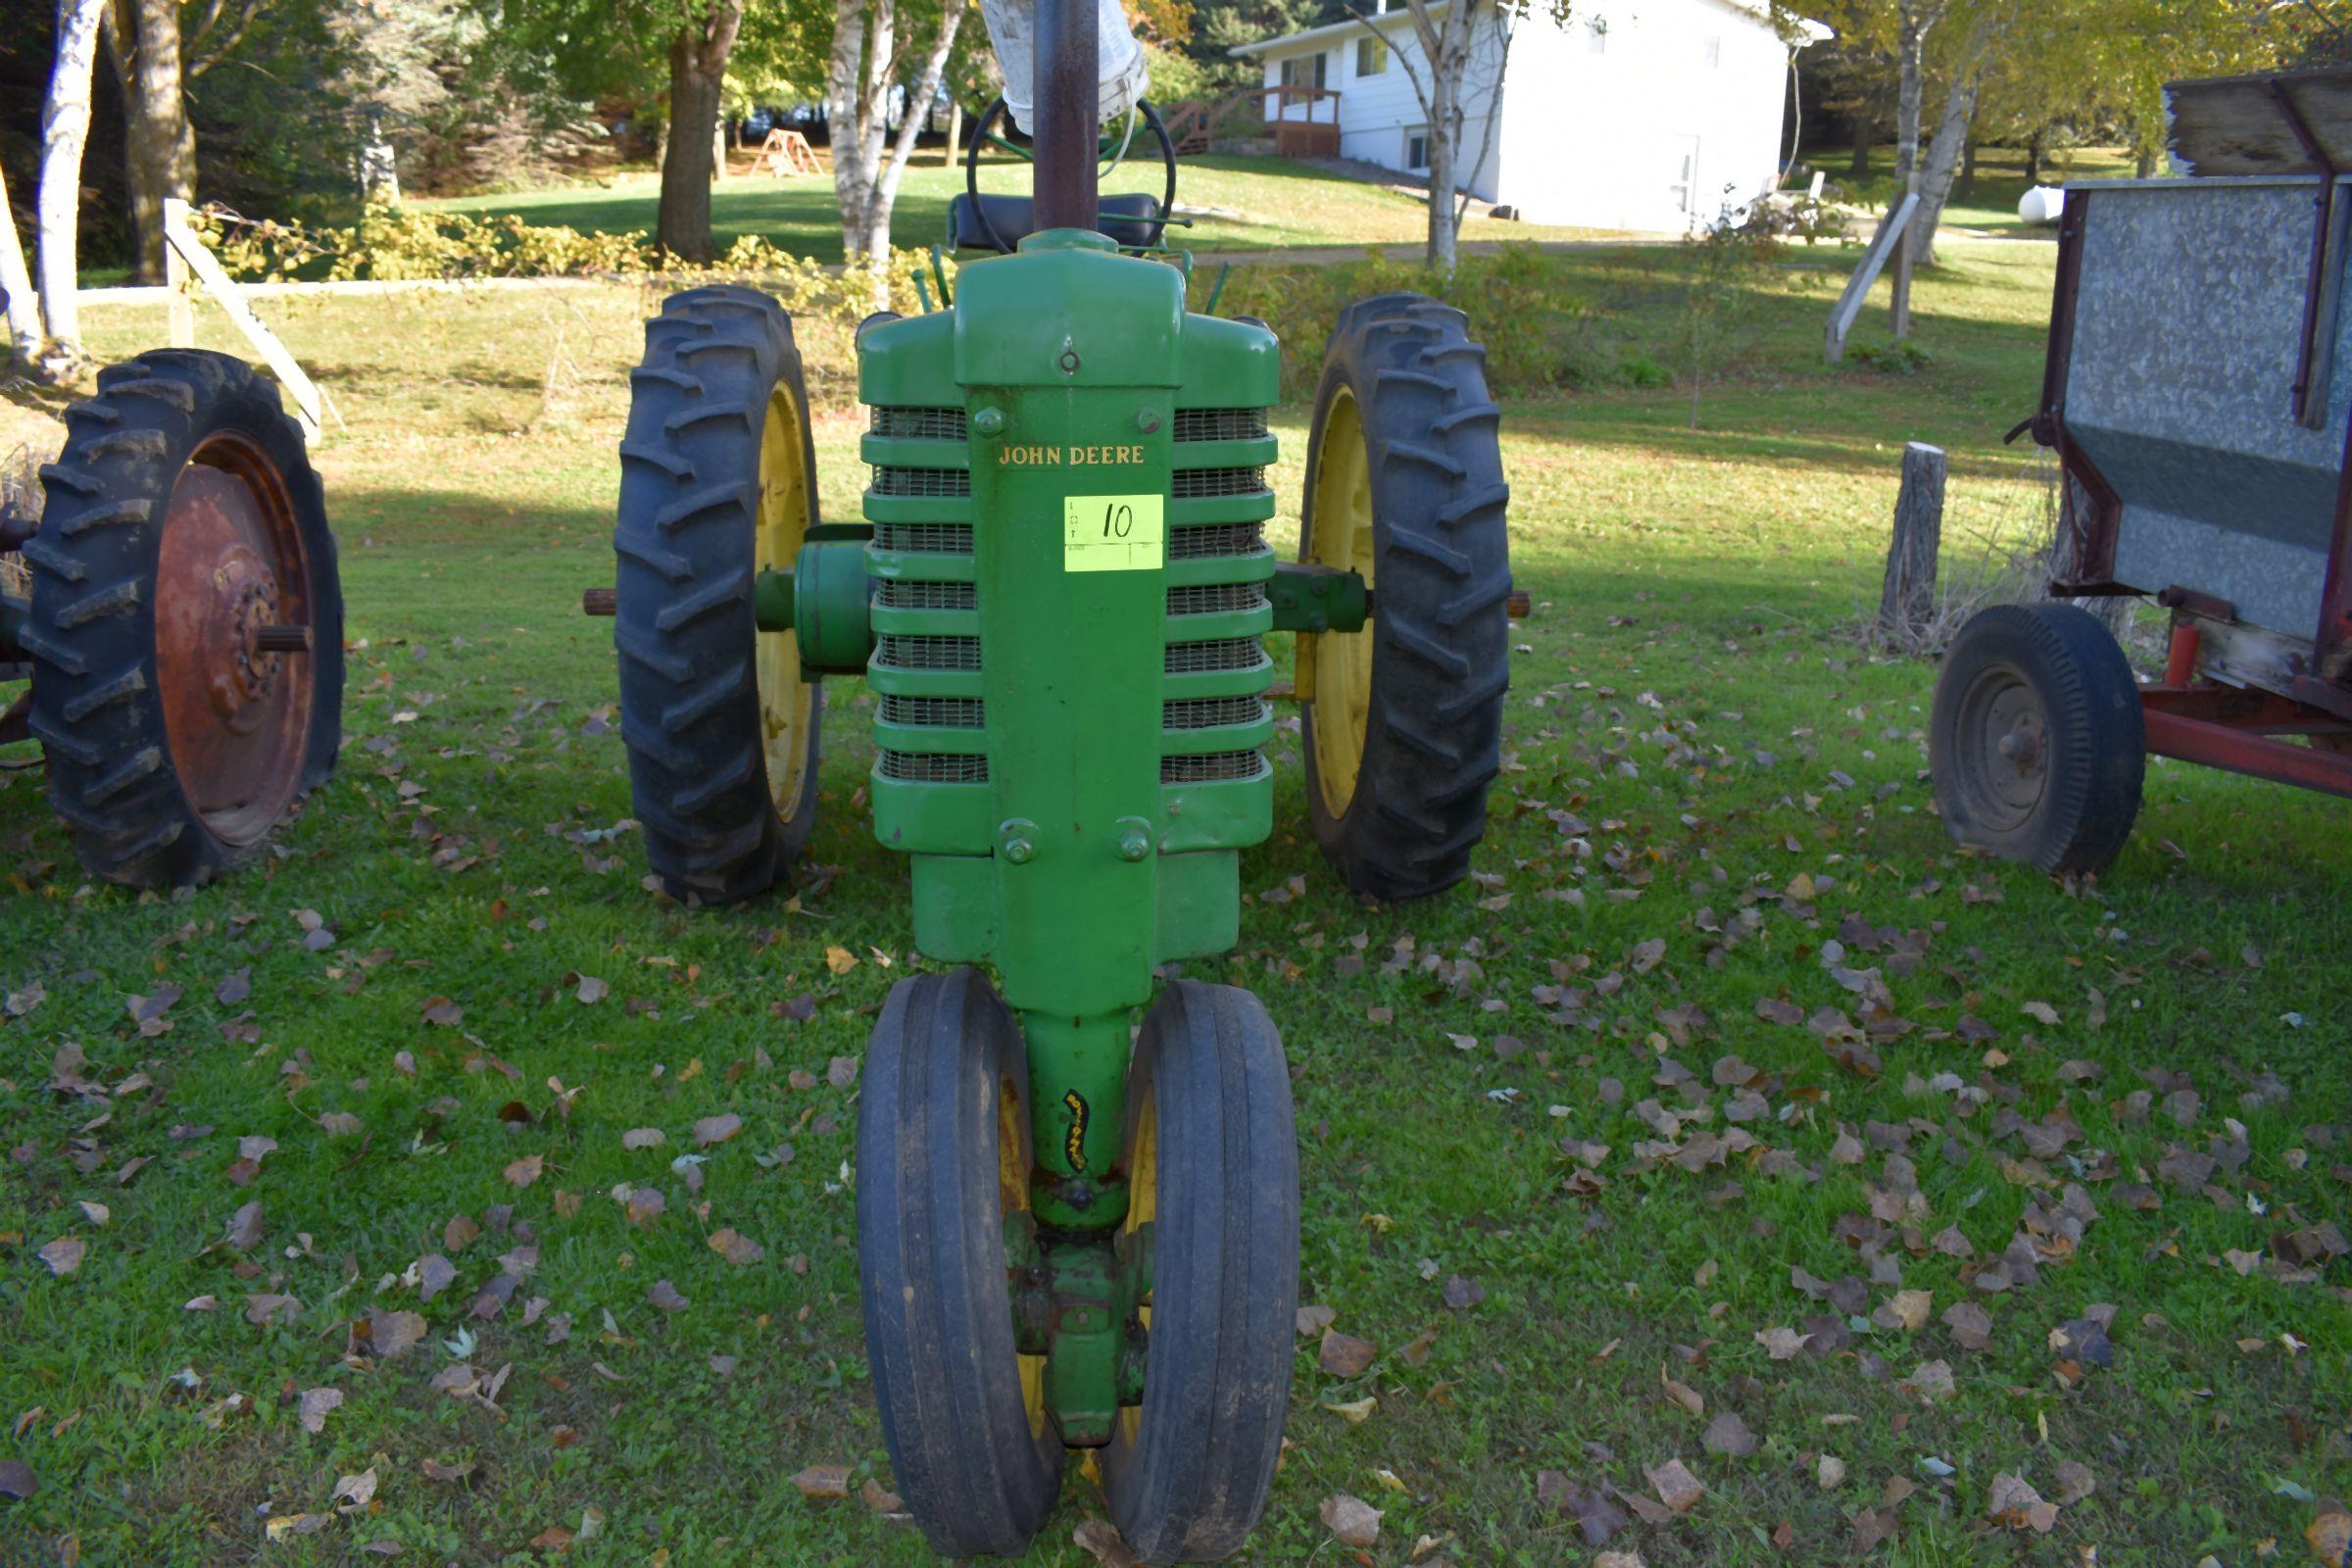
(1443, 86)
(65, 131)
(867, 62)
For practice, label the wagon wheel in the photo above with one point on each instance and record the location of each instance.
(2037, 742)
(186, 622)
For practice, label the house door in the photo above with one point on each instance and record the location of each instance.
(1682, 167)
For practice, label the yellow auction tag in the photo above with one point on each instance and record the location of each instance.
(1113, 533)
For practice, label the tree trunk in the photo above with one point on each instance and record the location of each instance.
(1911, 48)
(1966, 190)
(15, 283)
(884, 193)
(698, 62)
(2034, 155)
(857, 79)
(65, 131)
(1866, 131)
(159, 144)
(1944, 154)
(954, 130)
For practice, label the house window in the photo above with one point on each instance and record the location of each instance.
(1416, 147)
(1306, 71)
(1714, 49)
(1371, 57)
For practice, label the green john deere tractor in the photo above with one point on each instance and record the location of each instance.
(1073, 1233)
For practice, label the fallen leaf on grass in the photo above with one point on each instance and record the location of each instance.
(1315, 1319)
(1683, 1393)
(644, 1138)
(267, 1307)
(315, 1406)
(2018, 1505)
(716, 1129)
(664, 1295)
(65, 1255)
(524, 1171)
(555, 1538)
(1352, 1520)
(1829, 1472)
(1676, 1485)
(389, 1334)
(1906, 1310)
(1354, 1412)
(1970, 1324)
(1932, 1382)
(1727, 1433)
(880, 1498)
(590, 990)
(2329, 1537)
(443, 1011)
(434, 1274)
(1782, 1344)
(17, 1480)
(1344, 1355)
(354, 1492)
(1462, 1295)
(435, 1470)
(736, 1247)
(823, 1481)
(2075, 1482)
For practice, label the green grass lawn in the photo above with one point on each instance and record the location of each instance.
(1249, 203)
(1713, 816)
(1991, 208)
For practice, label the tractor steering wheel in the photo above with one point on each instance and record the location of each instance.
(984, 131)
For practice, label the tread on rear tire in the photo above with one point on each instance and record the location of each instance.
(1440, 627)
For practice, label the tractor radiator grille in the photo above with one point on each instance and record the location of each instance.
(1209, 599)
(1195, 483)
(925, 425)
(1219, 424)
(937, 767)
(1211, 712)
(927, 653)
(1223, 653)
(943, 712)
(939, 483)
(1212, 766)
(900, 593)
(1214, 539)
(925, 538)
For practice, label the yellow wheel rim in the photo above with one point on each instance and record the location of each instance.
(1339, 535)
(787, 702)
(1012, 1193)
(1142, 1205)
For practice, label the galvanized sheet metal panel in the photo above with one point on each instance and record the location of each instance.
(2180, 388)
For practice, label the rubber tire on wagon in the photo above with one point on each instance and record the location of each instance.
(717, 480)
(1212, 1165)
(1404, 484)
(181, 516)
(943, 1166)
(2036, 742)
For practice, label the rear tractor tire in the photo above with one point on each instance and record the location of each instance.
(1402, 729)
(2036, 742)
(186, 621)
(717, 483)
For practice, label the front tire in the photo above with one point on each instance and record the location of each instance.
(2036, 742)
(943, 1169)
(180, 520)
(1211, 1160)
(1405, 486)
(717, 483)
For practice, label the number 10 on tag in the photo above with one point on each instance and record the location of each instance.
(1113, 533)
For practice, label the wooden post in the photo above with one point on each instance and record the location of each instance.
(1887, 243)
(179, 314)
(309, 406)
(1907, 601)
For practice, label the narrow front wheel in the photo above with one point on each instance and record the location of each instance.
(1212, 1170)
(943, 1191)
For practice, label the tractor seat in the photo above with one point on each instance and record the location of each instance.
(1129, 219)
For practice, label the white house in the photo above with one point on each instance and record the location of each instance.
(1637, 114)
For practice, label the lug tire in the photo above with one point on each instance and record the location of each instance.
(1441, 628)
(1188, 1475)
(685, 624)
(978, 1477)
(98, 685)
(2075, 686)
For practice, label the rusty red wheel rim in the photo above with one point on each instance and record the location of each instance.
(232, 562)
